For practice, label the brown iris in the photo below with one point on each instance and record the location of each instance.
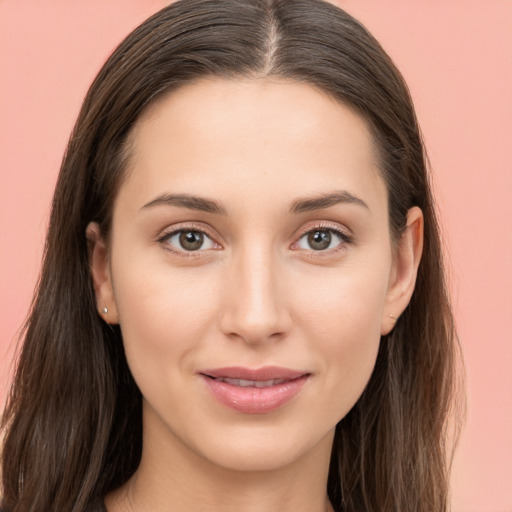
(191, 240)
(319, 240)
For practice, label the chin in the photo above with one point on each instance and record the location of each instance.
(260, 449)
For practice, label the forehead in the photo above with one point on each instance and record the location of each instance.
(269, 136)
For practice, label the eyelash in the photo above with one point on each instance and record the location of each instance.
(344, 240)
(343, 236)
(183, 229)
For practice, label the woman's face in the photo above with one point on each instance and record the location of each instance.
(251, 270)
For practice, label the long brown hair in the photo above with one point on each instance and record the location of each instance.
(73, 419)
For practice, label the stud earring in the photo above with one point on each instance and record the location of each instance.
(394, 318)
(105, 311)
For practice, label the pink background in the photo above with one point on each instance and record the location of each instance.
(456, 56)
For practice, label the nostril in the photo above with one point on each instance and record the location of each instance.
(255, 338)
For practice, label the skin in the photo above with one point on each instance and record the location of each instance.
(255, 294)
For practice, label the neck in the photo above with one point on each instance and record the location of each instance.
(173, 478)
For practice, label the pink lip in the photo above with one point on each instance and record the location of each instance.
(251, 399)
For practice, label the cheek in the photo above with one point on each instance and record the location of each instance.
(164, 314)
(346, 302)
(342, 320)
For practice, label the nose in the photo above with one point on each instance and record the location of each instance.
(254, 306)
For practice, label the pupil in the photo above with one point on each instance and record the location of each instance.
(319, 240)
(191, 240)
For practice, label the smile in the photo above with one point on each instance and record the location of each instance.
(254, 391)
(252, 383)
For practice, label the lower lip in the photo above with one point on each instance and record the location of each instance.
(252, 400)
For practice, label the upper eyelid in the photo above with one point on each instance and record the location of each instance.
(188, 226)
(325, 225)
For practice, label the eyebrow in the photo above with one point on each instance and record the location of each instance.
(325, 201)
(298, 206)
(187, 201)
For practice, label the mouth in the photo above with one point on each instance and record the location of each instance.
(253, 391)
(250, 383)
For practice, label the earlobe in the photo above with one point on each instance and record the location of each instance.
(100, 273)
(405, 270)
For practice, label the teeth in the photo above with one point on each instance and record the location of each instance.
(252, 383)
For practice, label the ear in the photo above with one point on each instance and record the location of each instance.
(404, 271)
(100, 271)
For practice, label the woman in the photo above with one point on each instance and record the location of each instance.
(242, 305)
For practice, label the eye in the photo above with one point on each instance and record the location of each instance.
(321, 239)
(188, 240)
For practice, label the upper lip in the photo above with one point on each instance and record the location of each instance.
(265, 373)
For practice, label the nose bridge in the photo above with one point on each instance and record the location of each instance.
(254, 308)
